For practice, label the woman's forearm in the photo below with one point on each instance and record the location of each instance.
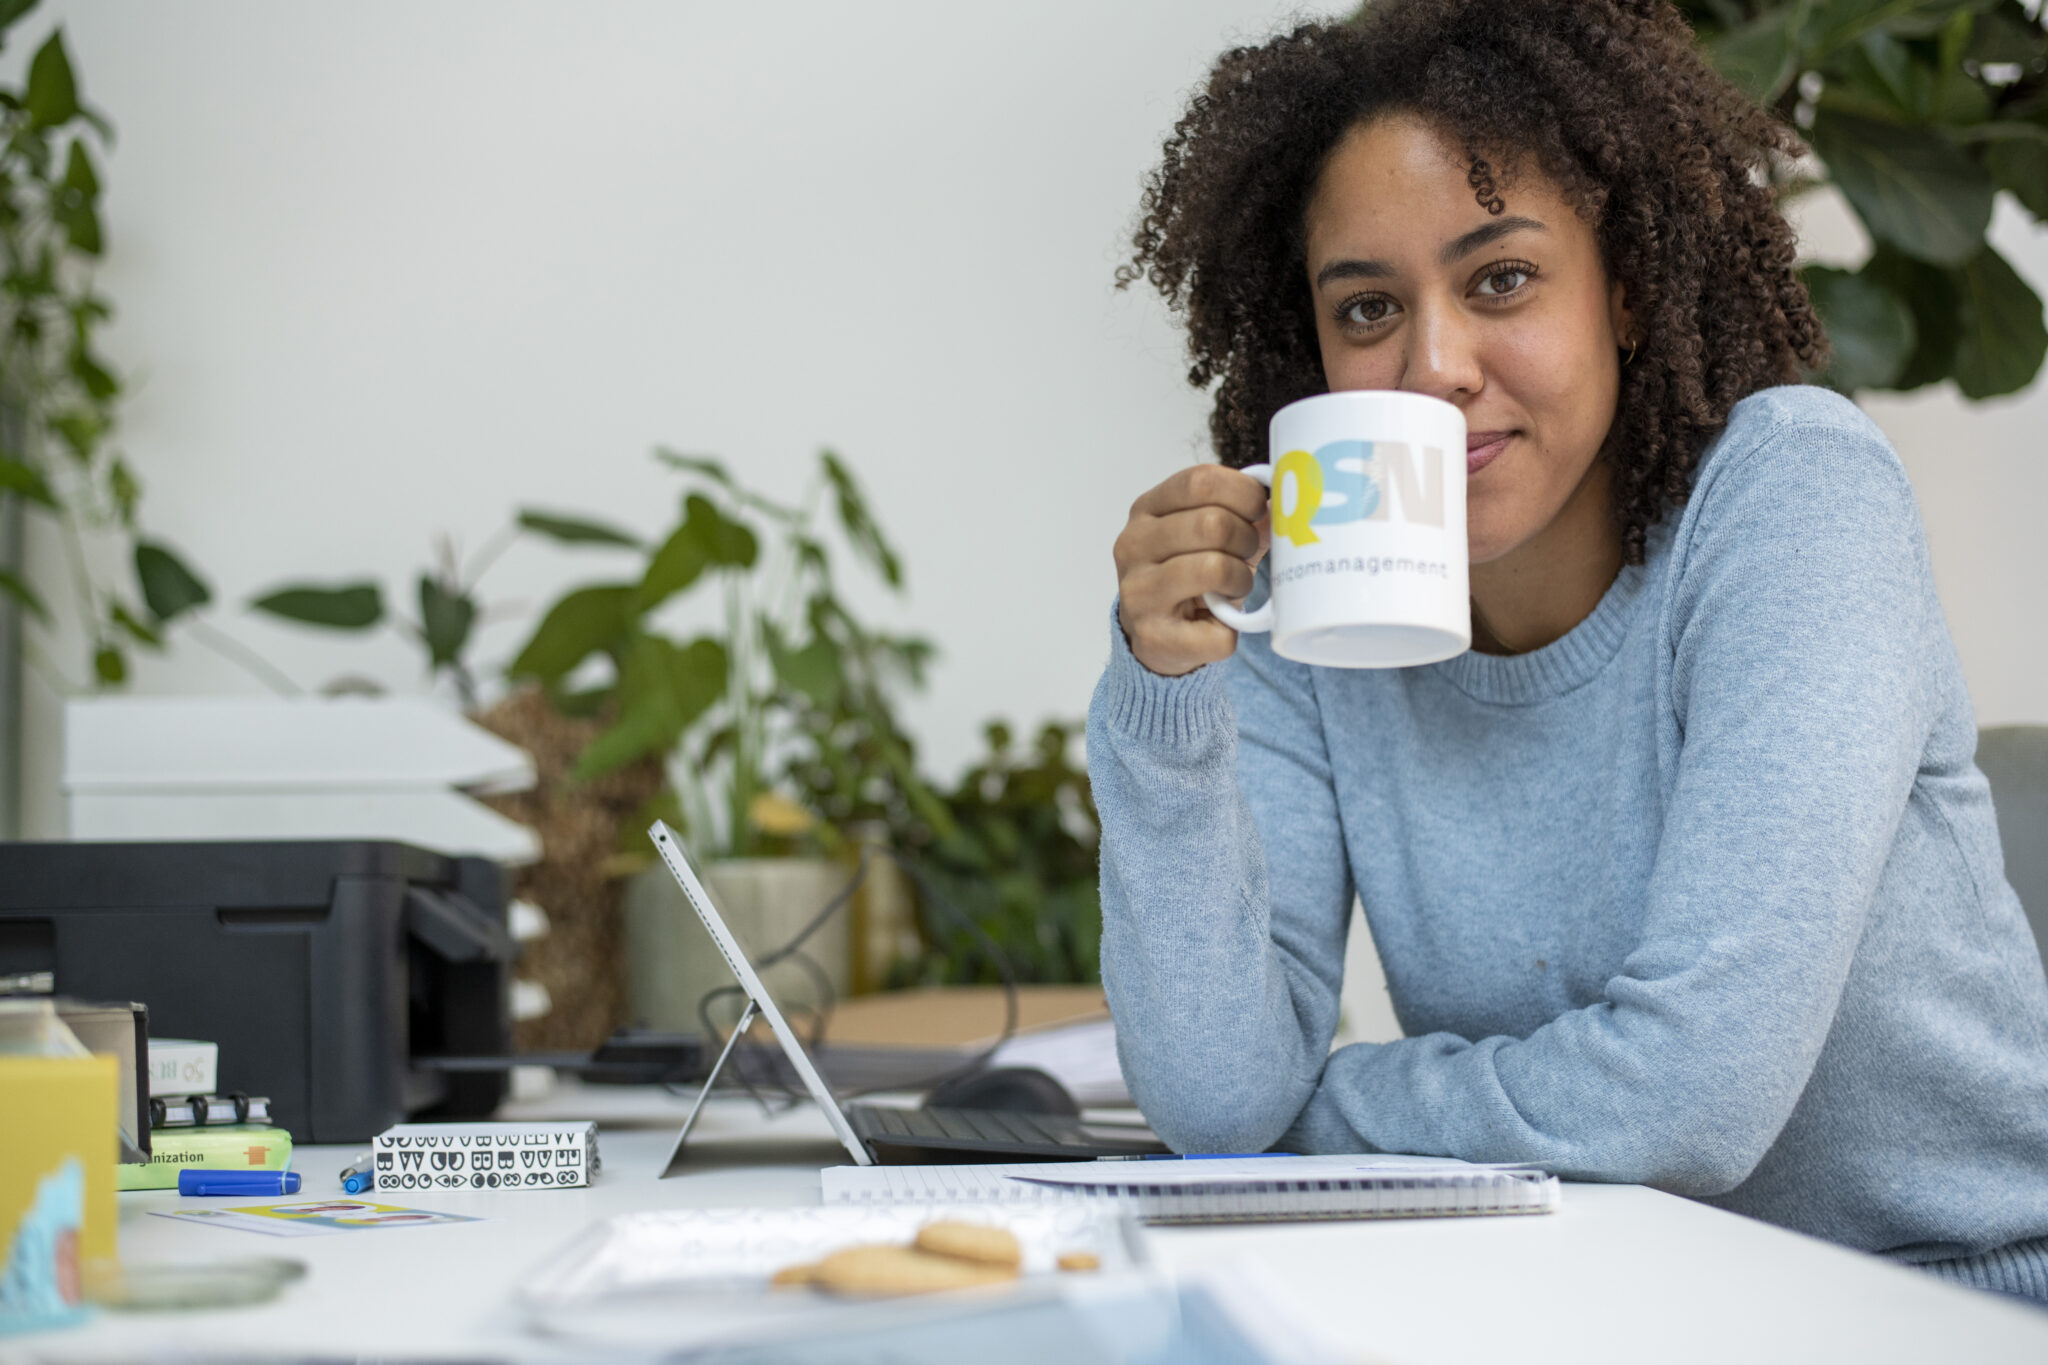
(1224, 1007)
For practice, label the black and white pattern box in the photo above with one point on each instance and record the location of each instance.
(485, 1156)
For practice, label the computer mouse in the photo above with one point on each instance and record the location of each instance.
(1023, 1089)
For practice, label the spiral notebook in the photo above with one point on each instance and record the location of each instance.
(1221, 1190)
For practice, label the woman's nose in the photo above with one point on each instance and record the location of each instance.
(1443, 355)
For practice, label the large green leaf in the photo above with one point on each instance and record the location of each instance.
(708, 467)
(575, 530)
(862, 530)
(52, 92)
(2019, 162)
(1870, 328)
(81, 430)
(352, 606)
(446, 619)
(25, 481)
(12, 10)
(1930, 292)
(706, 539)
(74, 205)
(2002, 340)
(1912, 187)
(2003, 37)
(20, 591)
(91, 375)
(169, 588)
(1760, 57)
(583, 622)
(813, 670)
(1919, 18)
(663, 689)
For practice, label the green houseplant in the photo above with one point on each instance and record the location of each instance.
(58, 394)
(1920, 112)
(770, 738)
(777, 725)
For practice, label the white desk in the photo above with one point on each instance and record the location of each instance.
(1621, 1272)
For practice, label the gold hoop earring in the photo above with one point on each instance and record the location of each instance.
(1631, 353)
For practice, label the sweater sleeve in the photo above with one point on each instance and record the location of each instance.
(1801, 615)
(1223, 921)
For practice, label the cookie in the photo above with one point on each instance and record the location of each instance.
(971, 1242)
(792, 1275)
(885, 1271)
(1079, 1260)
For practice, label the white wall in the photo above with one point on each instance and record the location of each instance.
(386, 271)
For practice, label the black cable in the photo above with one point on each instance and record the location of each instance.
(827, 997)
(997, 958)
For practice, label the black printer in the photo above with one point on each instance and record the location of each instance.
(322, 969)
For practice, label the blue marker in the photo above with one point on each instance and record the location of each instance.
(238, 1182)
(358, 1176)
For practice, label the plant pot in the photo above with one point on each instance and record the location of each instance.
(671, 962)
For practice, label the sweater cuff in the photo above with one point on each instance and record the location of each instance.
(1142, 705)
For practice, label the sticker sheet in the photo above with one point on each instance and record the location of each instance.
(314, 1217)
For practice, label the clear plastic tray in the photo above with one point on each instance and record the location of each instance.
(676, 1276)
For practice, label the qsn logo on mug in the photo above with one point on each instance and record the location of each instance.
(1347, 481)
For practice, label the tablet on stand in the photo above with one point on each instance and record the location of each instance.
(759, 1004)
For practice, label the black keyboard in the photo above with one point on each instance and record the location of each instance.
(894, 1134)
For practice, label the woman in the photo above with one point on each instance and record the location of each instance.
(1685, 875)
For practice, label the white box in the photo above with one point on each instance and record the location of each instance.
(232, 768)
(183, 1066)
(485, 1156)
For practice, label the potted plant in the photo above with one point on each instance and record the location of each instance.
(776, 727)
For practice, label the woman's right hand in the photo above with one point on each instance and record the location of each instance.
(1203, 530)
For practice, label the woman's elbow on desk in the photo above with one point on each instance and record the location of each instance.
(1198, 1107)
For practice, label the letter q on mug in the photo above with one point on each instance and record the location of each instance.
(1368, 567)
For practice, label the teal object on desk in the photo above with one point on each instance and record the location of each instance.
(238, 1182)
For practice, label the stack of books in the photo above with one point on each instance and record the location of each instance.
(192, 1128)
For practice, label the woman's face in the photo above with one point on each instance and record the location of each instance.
(1509, 317)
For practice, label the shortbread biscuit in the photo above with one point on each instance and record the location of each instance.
(792, 1275)
(971, 1242)
(1079, 1260)
(883, 1271)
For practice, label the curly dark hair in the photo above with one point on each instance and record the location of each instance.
(1608, 98)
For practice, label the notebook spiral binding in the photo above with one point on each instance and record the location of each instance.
(1485, 1193)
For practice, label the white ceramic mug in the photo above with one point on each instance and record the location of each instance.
(1368, 566)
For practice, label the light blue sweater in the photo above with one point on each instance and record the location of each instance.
(1705, 895)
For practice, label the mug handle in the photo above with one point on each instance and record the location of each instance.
(1244, 622)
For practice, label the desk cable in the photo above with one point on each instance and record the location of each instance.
(793, 951)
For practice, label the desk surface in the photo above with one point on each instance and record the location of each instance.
(1621, 1268)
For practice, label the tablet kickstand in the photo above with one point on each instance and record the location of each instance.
(732, 1040)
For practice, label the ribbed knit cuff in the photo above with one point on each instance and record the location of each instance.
(1134, 701)
(2018, 1268)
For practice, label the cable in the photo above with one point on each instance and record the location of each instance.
(997, 958)
(827, 998)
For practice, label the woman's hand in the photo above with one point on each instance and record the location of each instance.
(1201, 531)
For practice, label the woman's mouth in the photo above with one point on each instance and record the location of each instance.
(1482, 448)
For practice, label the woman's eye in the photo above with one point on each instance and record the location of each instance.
(1368, 311)
(1503, 280)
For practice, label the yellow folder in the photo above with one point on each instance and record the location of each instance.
(57, 1109)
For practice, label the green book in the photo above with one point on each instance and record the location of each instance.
(227, 1147)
